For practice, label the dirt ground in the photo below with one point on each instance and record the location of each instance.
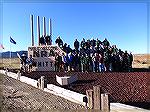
(141, 61)
(10, 63)
(20, 97)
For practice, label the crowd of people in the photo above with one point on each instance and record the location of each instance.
(92, 56)
(87, 56)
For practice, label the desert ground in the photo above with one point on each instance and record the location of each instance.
(140, 61)
(10, 63)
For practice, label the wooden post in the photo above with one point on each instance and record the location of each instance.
(42, 82)
(89, 94)
(6, 71)
(19, 75)
(97, 97)
(105, 102)
(39, 83)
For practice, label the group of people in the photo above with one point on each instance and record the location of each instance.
(92, 56)
(26, 63)
(87, 56)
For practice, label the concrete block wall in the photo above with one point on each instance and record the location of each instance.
(63, 80)
(21, 78)
(67, 94)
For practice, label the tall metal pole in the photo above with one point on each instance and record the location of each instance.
(38, 29)
(44, 27)
(50, 31)
(31, 25)
(10, 56)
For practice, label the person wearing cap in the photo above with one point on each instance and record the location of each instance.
(23, 62)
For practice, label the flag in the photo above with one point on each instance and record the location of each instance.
(1, 46)
(12, 41)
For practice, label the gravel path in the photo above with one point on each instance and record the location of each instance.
(18, 96)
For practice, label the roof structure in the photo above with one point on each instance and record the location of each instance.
(122, 87)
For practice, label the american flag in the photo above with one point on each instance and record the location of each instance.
(1, 46)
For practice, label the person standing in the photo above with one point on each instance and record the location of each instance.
(93, 43)
(66, 64)
(98, 42)
(91, 63)
(23, 62)
(76, 45)
(71, 61)
(59, 42)
(83, 44)
(30, 63)
(106, 43)
(82, 60)
(101, 63)
(87, 63)
(58, 63)
(96, 62)
(76, 62)
(126, 62)
(68, 49)
(65, 47)
(130, 61)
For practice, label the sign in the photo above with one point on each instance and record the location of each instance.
(44, 57)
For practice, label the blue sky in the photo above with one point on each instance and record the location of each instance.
(123, 24)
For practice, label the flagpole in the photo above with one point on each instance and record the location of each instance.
(10, 55)
(11, 41)
(2, 54)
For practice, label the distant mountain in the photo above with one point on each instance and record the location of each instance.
(13, 54)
